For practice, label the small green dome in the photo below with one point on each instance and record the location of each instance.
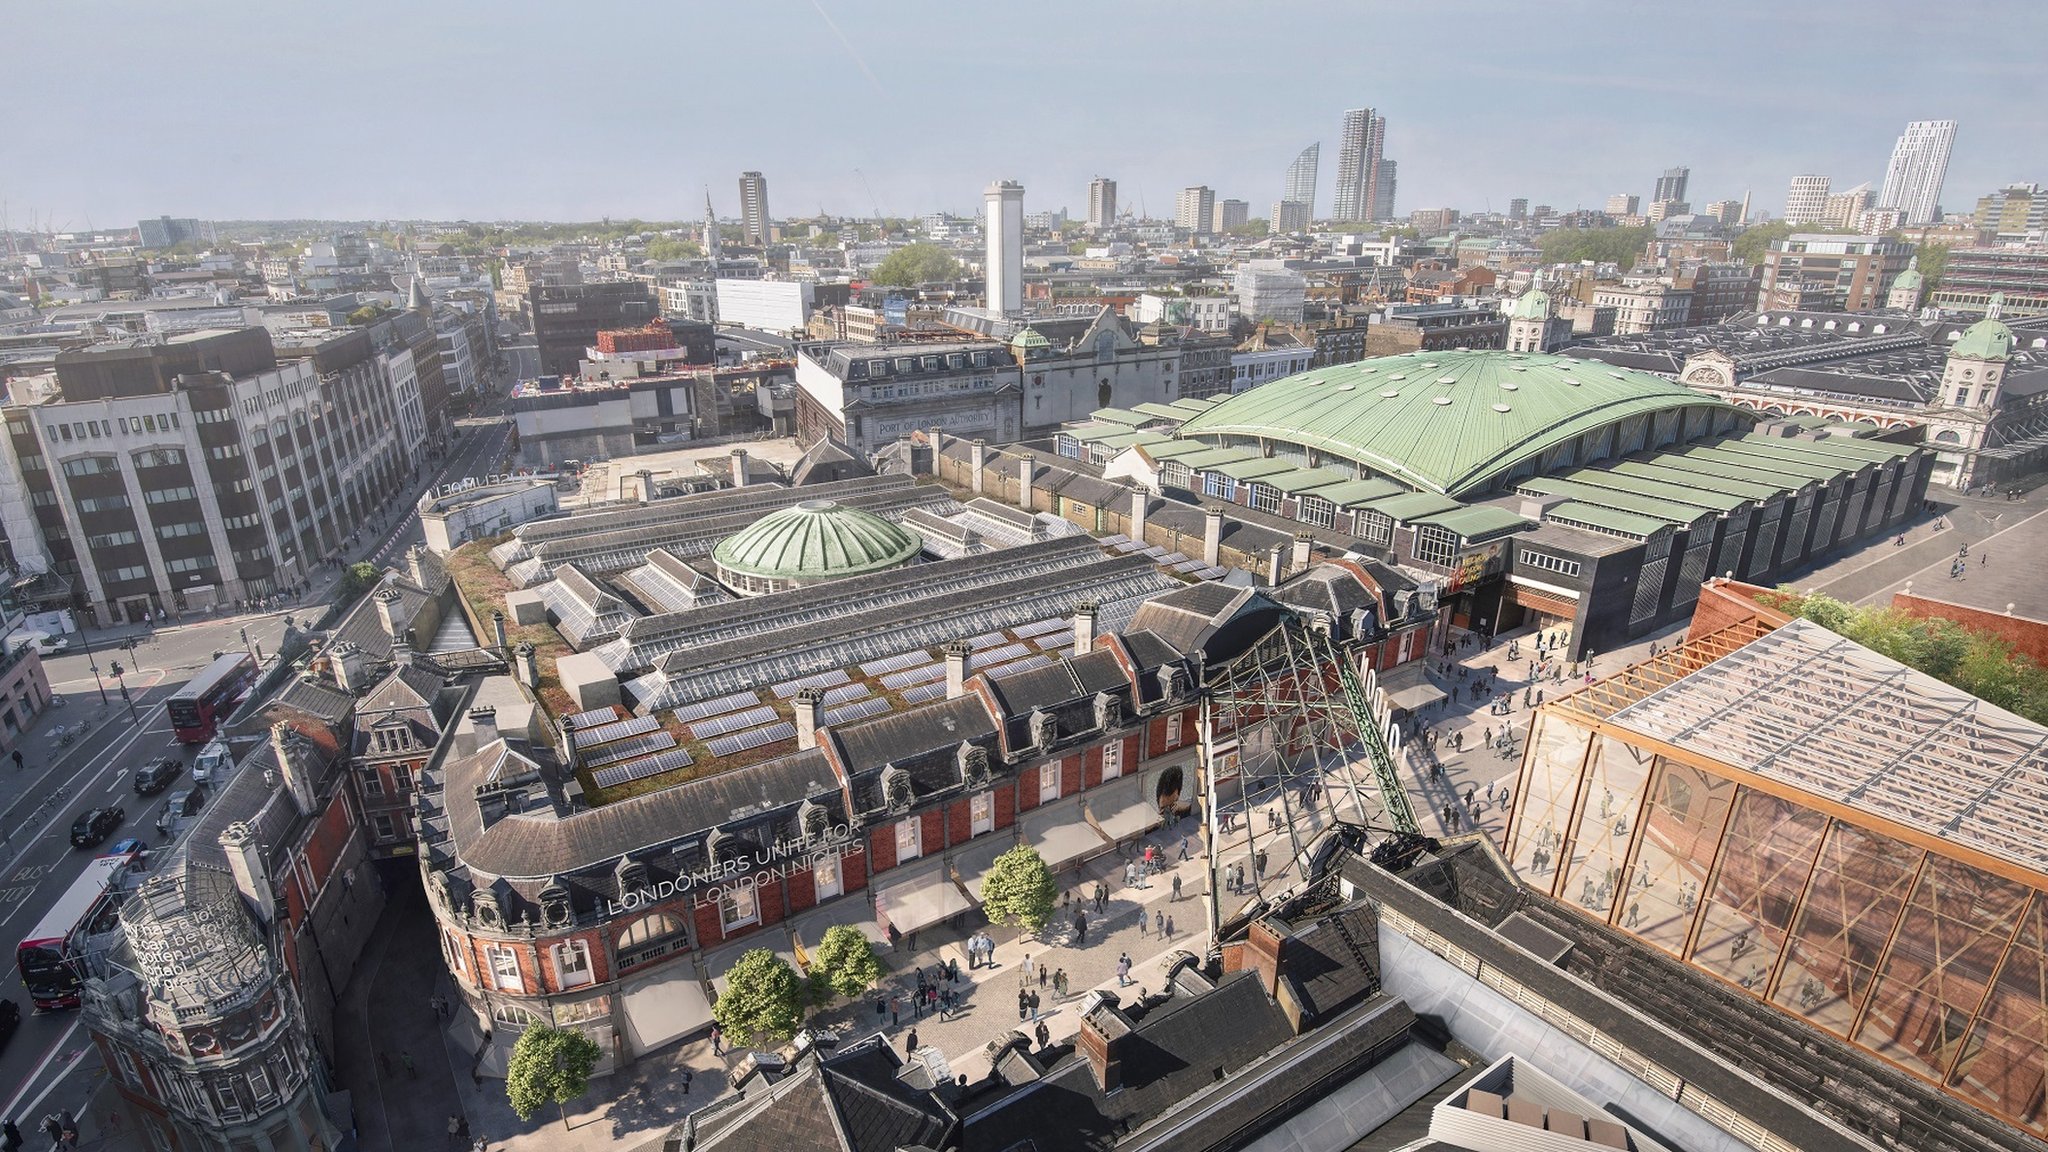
(1029, 338)
(810, 542)
(1910, 278)
(1531, 305)
(1984, 340)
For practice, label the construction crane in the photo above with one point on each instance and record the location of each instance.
(872, 202)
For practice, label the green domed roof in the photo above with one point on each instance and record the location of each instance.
(1910, 278)
(1447, 421)
(1531, 305)
(1984, 340)
(1030, 338)
(816, 540)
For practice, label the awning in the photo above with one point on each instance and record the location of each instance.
(664, 1006)
(717, 964)
(857, 909)
(1407, 686)
(971, 863)
(497, 1055)
(1061, 835)
(922, 900)
(1121, 810)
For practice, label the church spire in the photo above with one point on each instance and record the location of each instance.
(710, 231)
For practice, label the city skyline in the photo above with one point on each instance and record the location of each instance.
(210, 151)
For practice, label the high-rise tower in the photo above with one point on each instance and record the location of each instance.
(1102, 202)
(1004, 231)
(1912, 182)
(753, 208)
(710, 232)
(1671, 185)
(1359, 178)
(1807, 200)
(1301, 177)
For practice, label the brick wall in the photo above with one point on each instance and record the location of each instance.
(2028, 637)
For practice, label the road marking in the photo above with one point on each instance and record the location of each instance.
(31, 873)
(16, 894)
(28, 1081)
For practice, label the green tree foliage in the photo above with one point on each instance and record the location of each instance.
(1933, 262)
(1255, 229)
(1757, 240)
(673, 248)
(356, 580)
(367, 313)
(1019, 887)
(763, 998)
(1979, 662)
(549, 1065)
(845, 963)
(915, 264)
(1620, 246)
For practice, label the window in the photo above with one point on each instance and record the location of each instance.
(102, 503)
(825, 878)
(909, 839)
(402, 775)
(1547, 562)
(738, 907)
(1218, 485)
(1266, 498)
(90, 466)
(260, 1086)
(572, 964)
(225, 1102)
(373, 785)
(505, 969)
(1316, 511)
(169, 495)
(224, 451)
(386, 827)
(110, 539)
(173, 531)
(451, 946)
(122, 575)
(1435, 545)
(1174, 729)
(981, 813)
(1112, 760)
(189, 564)
(1175, 475)
(1048, 782)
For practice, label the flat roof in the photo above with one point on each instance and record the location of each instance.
(1678, 471)
(1176, 449)
(1662, 511)
(1353, 493)
(1605, 519)
(1216, 456)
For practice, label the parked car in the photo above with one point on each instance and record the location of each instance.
(96, 825)
(185, 802)
(157, 775)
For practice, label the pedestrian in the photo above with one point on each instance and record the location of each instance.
(405, 1058)
(1024, 973)
(1169, 927)
(1183, 856)
(1131, 874)
(1259, 863)
(1123, 970)
(1043, 976)
(717, 1041)
(10, 1135)
(953, 969)
(454, 1132)
(1080, 928)
(17, 765)
(1141, 922)
(1159, 924)
(1032, 999)
(1044, 1035)
(1059, 982)
(895, 1010)
(909, 1043)
(687, 1076)
(1023, 1003)
(1176, 886)
(1101, 896)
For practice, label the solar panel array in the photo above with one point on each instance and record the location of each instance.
(858, 710)
(626, 749)
(987, 640)
(1015, 666)
(619, 774)
(896, 663)
(902, 680)
(789, 688)
(720, 706)
(594, 716)
(982, 660)
(616, 730)
(924, 692)
(1040, 627)
(839, 696)
(752, 738)
(731, 722)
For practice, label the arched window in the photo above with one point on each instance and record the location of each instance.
(1947, 436)
(653, 935)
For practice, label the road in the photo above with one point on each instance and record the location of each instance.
(480, 448)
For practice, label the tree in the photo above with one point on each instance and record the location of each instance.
(663, 248)
(1933, 262)
(1618, 246)
(356, 580)
(1253, 229)
(763, 997)
(915, 264)
(845, 963)
(1019, 887)
(367, 312)
(549, 1065)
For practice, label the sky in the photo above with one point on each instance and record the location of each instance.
(582, 109)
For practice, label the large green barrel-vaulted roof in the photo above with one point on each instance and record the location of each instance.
(816, 540)
(1448, 421)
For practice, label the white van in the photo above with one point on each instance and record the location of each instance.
(212, 765)
(44, 643)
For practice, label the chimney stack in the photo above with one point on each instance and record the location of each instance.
(806, 708)
(483, 721)
(1304, 551)
(1084, 627)
(387, 610)
(498, 628)
(1273, 569)
(415, 565)
(1027, 469)
(1138, 501)
(646, 477)
(295, 763)
(401, 653)
(739, 467)
(1212, 537)
(977, 458)
(1100, 1041)
(527, 661)
(251, 871)
(938, 446)
(956, 668)
(346, 660)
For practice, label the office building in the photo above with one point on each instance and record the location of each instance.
(1003, 238)
(1623, 204)
(568, 317)
(169, 232)
(1290, 217)
(1518, 208)
(1919, 165)
(753, 208)
(2016, 278)
(1663, 210)
(1231, 214)
(1819, 272)
(1195, 209)
(1845, 209)
(1102, 203)
(1807, 200)
(1671, 185)
(1300, 186)
(1360, 149)
(1383, 188)
(1726, 212)
(2014, 212)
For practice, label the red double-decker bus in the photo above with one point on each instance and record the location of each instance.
(47, 956)
(197, 708)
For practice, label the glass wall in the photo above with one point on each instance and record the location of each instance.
(1545, 796)
(1682, 823)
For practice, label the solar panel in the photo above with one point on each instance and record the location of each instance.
(789, 688)
(619, 774)
(997, 656)
(720, 706)
(752, 738)
(1040, 627)
(901, 680)
(924, 692)
(1015, 666)
(858, 710)
(595, 716)
(731, 722)
(619, 750)
(616, 730)
(987, 640)
(839, 696)
(896, 663)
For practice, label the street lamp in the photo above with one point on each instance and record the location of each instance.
(85, 638)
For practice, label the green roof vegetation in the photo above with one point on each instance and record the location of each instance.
(1448, 421)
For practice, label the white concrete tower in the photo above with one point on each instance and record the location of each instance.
(1004, 229)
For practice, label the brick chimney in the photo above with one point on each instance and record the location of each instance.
(1138, 502)
(977, 458)
(1084, 627)
(346, 661)
(387, 610)
(1027, 469)
(295, 764)
(956, 668)
(250, 869)
(1212, 536)
(806, 708)
(1102, 1039)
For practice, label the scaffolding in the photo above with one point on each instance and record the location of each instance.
(1289, 721)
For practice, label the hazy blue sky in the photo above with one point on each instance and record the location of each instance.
(576, 109)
